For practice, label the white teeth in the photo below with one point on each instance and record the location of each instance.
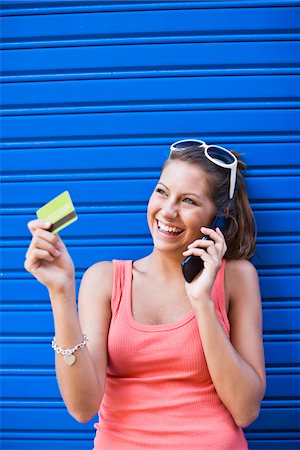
(168, 229)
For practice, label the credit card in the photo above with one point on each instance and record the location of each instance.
(60, 212)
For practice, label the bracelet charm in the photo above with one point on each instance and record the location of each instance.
(70, 359)
(68, 353)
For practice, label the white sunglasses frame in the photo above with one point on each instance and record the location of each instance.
(232, 166)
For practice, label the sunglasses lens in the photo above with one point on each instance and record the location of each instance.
(180, 145)
(218, 154)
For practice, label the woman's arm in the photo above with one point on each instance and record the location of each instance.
(82, 384)
(237, 365)
(47, 258)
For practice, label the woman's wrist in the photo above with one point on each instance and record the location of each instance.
(62, 286)
(67, 327)
(202, 303)
(63, 294)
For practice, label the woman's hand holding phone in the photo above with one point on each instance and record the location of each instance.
(211, 251)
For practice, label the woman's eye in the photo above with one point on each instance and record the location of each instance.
(160, 191)
(189, 200)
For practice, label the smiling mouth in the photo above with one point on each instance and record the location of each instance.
(173, 231)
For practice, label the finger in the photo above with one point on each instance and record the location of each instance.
(212, 234)
(47, 236)
(201, 243)
(219, 231)
(209, 255)
(215, 254)
(35, 258)
(46, 241)
(33, 225)
(195, 251)
(43, 244)
(60, 243)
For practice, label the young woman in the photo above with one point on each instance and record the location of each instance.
(171, 364)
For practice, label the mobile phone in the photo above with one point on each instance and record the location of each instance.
(193, 264)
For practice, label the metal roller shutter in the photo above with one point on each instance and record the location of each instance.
(92, 95)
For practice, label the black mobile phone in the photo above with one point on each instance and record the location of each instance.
(192, 265)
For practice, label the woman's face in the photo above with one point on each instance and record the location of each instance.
(179, 206)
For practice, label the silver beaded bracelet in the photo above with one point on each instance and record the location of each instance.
(68, 353)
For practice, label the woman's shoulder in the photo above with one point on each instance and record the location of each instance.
(104, 268)
(239, 267)
(241, 279)
(99, 275)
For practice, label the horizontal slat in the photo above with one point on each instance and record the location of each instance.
(40, 8)
(145, 23)
(34, 387)
(35, 419)
(144, 91)
(136, 73)
(274, 288)
(155, 106)
(89, 126)
(134, 174)
(150, 38)
(160, 56)
(109, 158)
(122, 141)
(146, 157)
(282, 353)
(273, 255)
(25, 291)
(286, 443)
(279, 419)
(32, 323)
(277, 222)
(102, 192)
(282, 386)
(281, 320)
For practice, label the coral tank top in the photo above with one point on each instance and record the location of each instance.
(159, 394)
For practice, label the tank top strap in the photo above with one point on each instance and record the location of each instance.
(122, 270)
(218, 296)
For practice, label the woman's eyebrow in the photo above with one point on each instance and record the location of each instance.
(200, 197)
(195, 195)
(163, 185)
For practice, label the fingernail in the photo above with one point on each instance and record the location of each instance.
(47, 224)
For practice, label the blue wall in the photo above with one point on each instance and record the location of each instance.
(93, 93)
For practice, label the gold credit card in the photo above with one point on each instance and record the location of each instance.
(60, 212)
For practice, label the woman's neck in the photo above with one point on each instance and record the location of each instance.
(161, 265)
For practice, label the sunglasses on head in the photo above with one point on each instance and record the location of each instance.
(216, 154)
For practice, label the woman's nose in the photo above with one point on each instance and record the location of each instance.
(170, 209)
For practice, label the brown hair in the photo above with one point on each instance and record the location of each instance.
(240, 230)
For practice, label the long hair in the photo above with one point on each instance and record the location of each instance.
(240, 230)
